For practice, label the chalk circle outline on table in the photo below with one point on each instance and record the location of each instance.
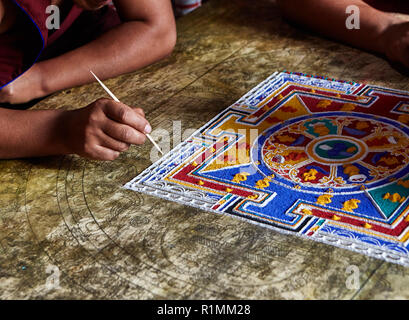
(329, 164)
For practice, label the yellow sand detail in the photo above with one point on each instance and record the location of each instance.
(404, 118)
(351, 170)
(404, 183)
(351, 149)
(264, 183)
(360, 125)
(261, 184)
(324, 199)
(234, 156)
(351, 205)
(285, 138)
(321, 130)
(396, 197)
(294, 103)
(239, 177)
(323, 103)
(389, 160)
(348, 107)
(310, 175)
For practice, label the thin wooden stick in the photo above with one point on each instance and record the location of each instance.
(117, 100)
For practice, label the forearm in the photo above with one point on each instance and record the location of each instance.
(30, 133)
(123, 49)
(329, 18)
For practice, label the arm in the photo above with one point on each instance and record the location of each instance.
(377, 31)
(99, 131)
(147, 34)
(29, 133)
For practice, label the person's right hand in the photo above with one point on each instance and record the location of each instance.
(103, 129)
(395, 43)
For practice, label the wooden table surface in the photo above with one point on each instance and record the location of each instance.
(68, 229)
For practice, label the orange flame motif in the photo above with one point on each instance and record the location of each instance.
(389, 160)
(321, 129)
(351, 170)
(310, 175)
(396, 197)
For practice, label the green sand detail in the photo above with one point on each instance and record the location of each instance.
(388, 207)
(327, 123)
(323, 153)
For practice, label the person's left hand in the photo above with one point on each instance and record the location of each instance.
(23, 89)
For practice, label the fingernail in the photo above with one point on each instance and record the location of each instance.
(148, 128)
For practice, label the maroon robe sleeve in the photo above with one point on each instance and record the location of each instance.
(20, 48)
(30, 41)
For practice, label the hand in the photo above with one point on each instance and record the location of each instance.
(103, 129)
(395, 43)
(25, 88)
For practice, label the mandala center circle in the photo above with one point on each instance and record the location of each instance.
(344, 153)
(336, 149)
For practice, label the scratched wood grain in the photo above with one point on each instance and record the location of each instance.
(68, 229)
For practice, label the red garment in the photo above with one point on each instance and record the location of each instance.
(30, 41)
(16, 55)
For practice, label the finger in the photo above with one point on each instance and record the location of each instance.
(3, 96)
(123, 132)
(140, 111)
(113, 144)
(103, 153)
(126, 115)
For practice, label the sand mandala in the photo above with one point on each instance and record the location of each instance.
(316, 157)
